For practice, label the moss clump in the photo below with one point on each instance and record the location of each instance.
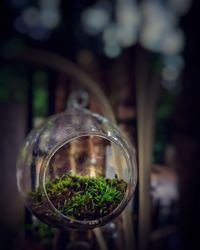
(81, 197)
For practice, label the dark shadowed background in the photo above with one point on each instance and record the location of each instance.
(122, 45)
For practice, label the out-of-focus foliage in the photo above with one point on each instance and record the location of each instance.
(40, 93)
(13, 84)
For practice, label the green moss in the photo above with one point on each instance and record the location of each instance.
(82, 197)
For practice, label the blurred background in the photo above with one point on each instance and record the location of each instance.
(144, 55)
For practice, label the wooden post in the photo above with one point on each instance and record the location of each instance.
(146, 96)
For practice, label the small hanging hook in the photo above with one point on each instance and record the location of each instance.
(78, 99)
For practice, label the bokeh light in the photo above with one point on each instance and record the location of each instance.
(95, 20)
(173, 42)
(110, 33)
(181, 7)
(112, 50)
(39, 33)
(158, 21)
(31, 16)
(20, 26)
(174, 60)
(170, 73)
(152, 23)
(50, 18)
(128, 21)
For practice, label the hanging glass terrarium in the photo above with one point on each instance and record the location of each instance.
(76, 170)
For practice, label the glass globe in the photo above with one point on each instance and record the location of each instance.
(76, 170)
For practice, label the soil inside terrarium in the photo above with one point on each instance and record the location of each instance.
(80, 197)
